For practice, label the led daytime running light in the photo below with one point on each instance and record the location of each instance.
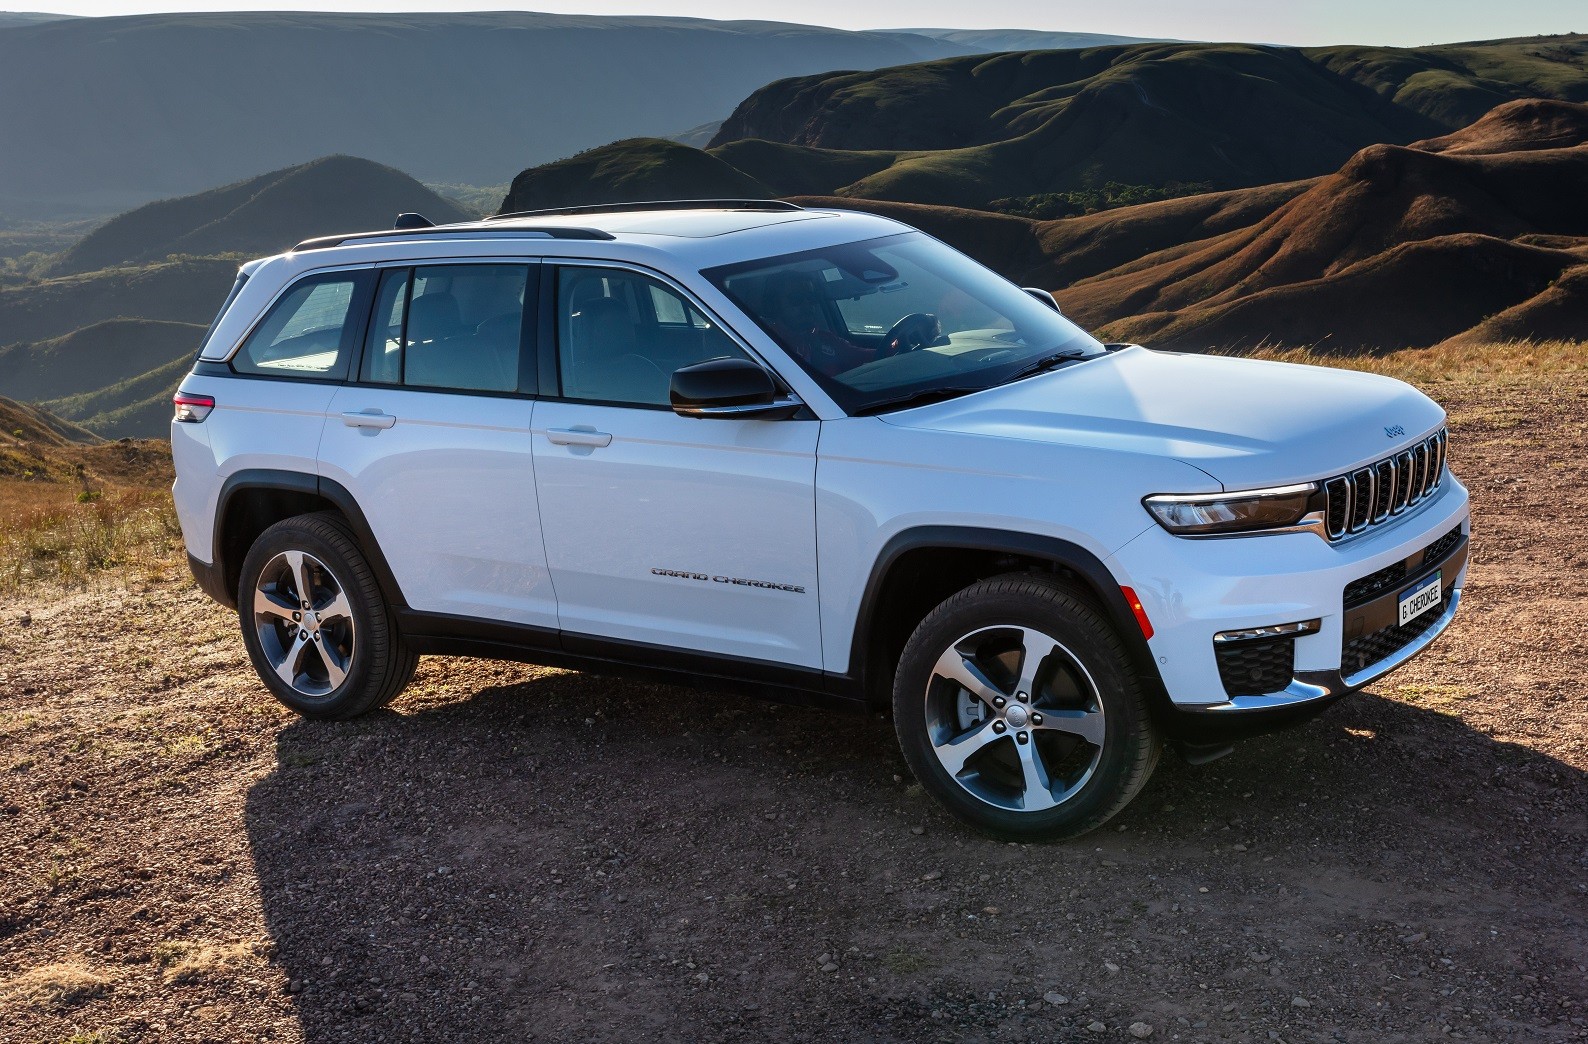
(1237, 511)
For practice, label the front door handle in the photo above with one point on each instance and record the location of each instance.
(369, 419)
(578, 437)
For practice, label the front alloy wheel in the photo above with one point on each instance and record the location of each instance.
(1017, 710)
(1014, 718)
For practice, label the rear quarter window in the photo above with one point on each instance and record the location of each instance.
(309, 332)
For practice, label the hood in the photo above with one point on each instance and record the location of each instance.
(1247, 423)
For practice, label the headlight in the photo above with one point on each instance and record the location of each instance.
(1232, 512)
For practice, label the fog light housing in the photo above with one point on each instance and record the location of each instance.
(1257, 634)
(1259, 661)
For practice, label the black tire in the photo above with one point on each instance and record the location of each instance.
(1083, 682)
(377, 663)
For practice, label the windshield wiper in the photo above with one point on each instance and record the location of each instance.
(919, 398)
(1047, 362)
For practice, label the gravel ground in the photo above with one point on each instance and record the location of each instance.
(512, 853)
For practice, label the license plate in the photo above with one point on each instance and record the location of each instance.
(1420, 599)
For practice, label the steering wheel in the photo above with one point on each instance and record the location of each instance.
(912, 333)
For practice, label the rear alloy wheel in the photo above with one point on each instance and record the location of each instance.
(1016, 710)
(315, 624)
(303, 623)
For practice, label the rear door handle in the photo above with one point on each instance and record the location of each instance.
(578, 437)
(368, 419)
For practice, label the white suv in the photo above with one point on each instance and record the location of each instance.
(811, 454)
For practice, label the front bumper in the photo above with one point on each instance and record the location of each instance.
(1193, 589)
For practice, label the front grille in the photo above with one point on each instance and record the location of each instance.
(1375, 584)
(1437, 551)
(1255, 668)
(1361, 653)
(1372, 495)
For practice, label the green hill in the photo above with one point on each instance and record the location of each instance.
(966, 131)
(188, 290)
(95, 356)
(106, 338)
(138, 407)
(263, 215)
(638, 168)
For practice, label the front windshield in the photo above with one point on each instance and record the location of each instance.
(899, 319)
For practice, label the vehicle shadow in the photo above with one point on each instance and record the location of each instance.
(573, 857)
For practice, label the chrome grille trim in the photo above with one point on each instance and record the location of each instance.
(1386, 475)
(1403, 466)
(1371, 496)
(1365, 487)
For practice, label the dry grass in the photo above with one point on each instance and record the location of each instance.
(189, 962)
(1470, 363)
(67, 543)
(55, 986)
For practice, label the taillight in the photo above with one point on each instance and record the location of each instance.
(191, 408)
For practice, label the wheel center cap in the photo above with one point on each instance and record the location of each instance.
(1017, 716)
(311, 622)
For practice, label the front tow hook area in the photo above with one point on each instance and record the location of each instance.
(1201, 753)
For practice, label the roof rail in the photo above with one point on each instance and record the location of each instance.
(551, 232)
(656, 204)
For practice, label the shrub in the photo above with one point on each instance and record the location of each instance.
(100, 531)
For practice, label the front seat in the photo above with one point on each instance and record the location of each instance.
(605, 361)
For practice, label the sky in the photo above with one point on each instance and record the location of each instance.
(1301, 22)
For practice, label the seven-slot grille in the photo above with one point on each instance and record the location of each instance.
(1371, 495)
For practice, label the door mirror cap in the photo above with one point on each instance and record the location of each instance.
(729, 389)
(1045, 296)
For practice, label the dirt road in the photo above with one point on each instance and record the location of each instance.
(517, 854)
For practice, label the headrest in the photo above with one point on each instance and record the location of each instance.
(434, 315)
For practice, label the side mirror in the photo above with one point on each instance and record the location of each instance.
(735, 389)
(1045, 297)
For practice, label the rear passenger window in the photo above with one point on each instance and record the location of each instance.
(308, 331)
(458, 327)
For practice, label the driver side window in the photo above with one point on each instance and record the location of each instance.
(620, 336)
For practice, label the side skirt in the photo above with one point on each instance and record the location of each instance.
(440, 634)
